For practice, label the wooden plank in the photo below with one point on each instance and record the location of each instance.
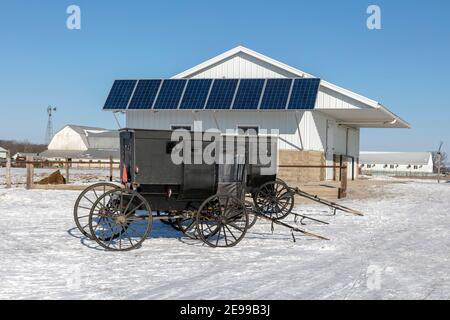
(30, 173)
(8, 170)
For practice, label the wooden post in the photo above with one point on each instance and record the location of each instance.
(30, 172)
(343, 188)
(8, 170)
(67, 172)
(110, 168)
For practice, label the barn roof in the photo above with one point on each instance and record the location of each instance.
(242, 64)
(401, 158)
(372, 114)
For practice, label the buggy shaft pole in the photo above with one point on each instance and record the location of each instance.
(309, 218)
(293, 228)
(325, 202)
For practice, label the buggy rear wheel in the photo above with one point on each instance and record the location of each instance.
(84, 204)
(274, 200)
(222, 221)
(120, 220)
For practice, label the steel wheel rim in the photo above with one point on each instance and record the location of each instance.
(274, 200)
(117, 221)
(222, 221)
(84, 203)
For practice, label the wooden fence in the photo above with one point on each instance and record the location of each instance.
(30, 164)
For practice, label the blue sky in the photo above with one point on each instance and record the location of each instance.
(406, 65)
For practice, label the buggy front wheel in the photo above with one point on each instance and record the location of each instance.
(274, 200)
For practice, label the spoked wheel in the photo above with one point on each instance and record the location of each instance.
(274, 200)
(120, 220)
(252, 214)
(187, 224)
(222, 221)
(84, 204)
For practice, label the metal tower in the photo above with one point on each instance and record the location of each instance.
(49, 132)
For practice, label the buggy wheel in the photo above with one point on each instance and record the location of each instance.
(187, 225)
(252, 214)
(84, 204)
(120, 220)
(222, 221)
(274, 200)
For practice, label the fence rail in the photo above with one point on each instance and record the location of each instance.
(30, 164)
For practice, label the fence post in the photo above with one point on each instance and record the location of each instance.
(30, 172)
(8, 170)
(67, 171)
(343, 188)
(110, 168)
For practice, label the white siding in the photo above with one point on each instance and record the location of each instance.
(243, 66)
(67, 139)
(303, 130)
(328, 99)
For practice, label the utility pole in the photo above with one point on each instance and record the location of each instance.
(439, 158)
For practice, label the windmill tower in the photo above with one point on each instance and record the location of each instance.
(49, 131)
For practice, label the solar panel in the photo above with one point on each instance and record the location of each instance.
(196, 93)
(248, 94)
(276, 94)
(222, 93)
(304, 94)
(170, 94)
(120, 94)
(145, 94)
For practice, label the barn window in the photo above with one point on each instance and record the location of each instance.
(416, 167)
(249, 130)
(392, 166)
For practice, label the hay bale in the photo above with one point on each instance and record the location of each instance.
(55, 178)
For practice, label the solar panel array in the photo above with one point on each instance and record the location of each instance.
(214, 94)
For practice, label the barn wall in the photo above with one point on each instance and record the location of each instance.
(243, 66)
(67, 139)
(303, 130)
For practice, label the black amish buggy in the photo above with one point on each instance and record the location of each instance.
(169, 179)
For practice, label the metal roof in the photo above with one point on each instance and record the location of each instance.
(400, 158)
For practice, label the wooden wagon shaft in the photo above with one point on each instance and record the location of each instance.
(274, 221)
(309, 218)
(326, 202)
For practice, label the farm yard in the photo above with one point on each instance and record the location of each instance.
(398, 250)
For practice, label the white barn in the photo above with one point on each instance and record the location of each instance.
(397, 163)
(322, 136)
(81, 143)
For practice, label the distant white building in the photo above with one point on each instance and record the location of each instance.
(396, 163)
(80, 143)
(3, 153)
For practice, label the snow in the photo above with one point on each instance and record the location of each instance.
(398, 250)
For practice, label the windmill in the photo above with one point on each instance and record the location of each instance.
(49, 131)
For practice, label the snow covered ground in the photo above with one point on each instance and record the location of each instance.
(399, 250)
